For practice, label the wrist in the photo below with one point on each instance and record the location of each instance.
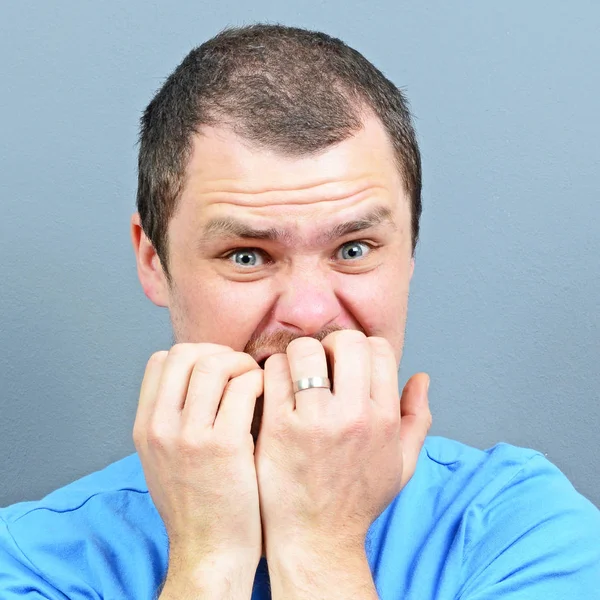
(315, 548)
(289, 556)
(214, 576)
(294, 568)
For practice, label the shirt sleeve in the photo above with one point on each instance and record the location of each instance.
(19, 578)
(538, 539)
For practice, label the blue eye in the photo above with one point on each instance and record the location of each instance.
(245, 257)
(354, 250)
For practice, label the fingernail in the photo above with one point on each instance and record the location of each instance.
(428, 382)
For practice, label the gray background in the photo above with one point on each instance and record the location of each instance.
(504, 306)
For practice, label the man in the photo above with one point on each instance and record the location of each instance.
(278, 214)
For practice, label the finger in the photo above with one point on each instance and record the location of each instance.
(349, 356)
(279, 394)
(177, 372)
(384, 377)
(148, 394)
(210, 375)
(306, 357)
(415, 421)
(236, 410)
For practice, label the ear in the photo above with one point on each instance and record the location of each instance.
(412, 268)
(149, 268)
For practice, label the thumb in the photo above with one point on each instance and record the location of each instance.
(415, 421)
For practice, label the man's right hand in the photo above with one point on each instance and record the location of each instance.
(192, 434)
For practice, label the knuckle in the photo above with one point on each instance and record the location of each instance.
(380, 345)
(180, 350)
(138, 436)
(189, 443)
(157, 441)
(248, 360)
(379, 341)
(209, 364)
(158, 357)
(242, 383)
(353, 335)
(321, 431)
(158, 436)
(234, 387)
(223, 363)
(345, 336)
(305, 347)
(225, 446)
(390, 425)
(357, 426)
(276, 361)
(193, 445)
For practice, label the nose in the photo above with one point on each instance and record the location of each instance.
(307, 301)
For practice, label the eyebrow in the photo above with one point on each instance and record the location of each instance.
(230, 227)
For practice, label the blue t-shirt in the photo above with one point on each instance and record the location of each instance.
(470, 525)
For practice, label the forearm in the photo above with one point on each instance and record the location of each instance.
(298, 575)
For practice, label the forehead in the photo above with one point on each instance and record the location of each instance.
(219, 157)
(226, 175)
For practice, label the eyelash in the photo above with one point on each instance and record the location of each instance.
(228, 256)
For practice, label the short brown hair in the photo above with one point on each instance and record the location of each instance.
(283, 88)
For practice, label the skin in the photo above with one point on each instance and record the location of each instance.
(305, 291)
(314, 306)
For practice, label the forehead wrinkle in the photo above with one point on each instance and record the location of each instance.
(310, 194)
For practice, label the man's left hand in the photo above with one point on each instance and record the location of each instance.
(329, 461)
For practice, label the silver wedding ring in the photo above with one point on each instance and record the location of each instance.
(311, 382)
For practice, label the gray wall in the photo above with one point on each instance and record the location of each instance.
(504, 305)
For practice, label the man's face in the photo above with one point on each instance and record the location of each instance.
(258, 251)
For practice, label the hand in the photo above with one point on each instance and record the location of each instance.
(329, 462)
(192, 433)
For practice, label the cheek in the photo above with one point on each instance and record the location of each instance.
(379, 303)
(219, 313)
